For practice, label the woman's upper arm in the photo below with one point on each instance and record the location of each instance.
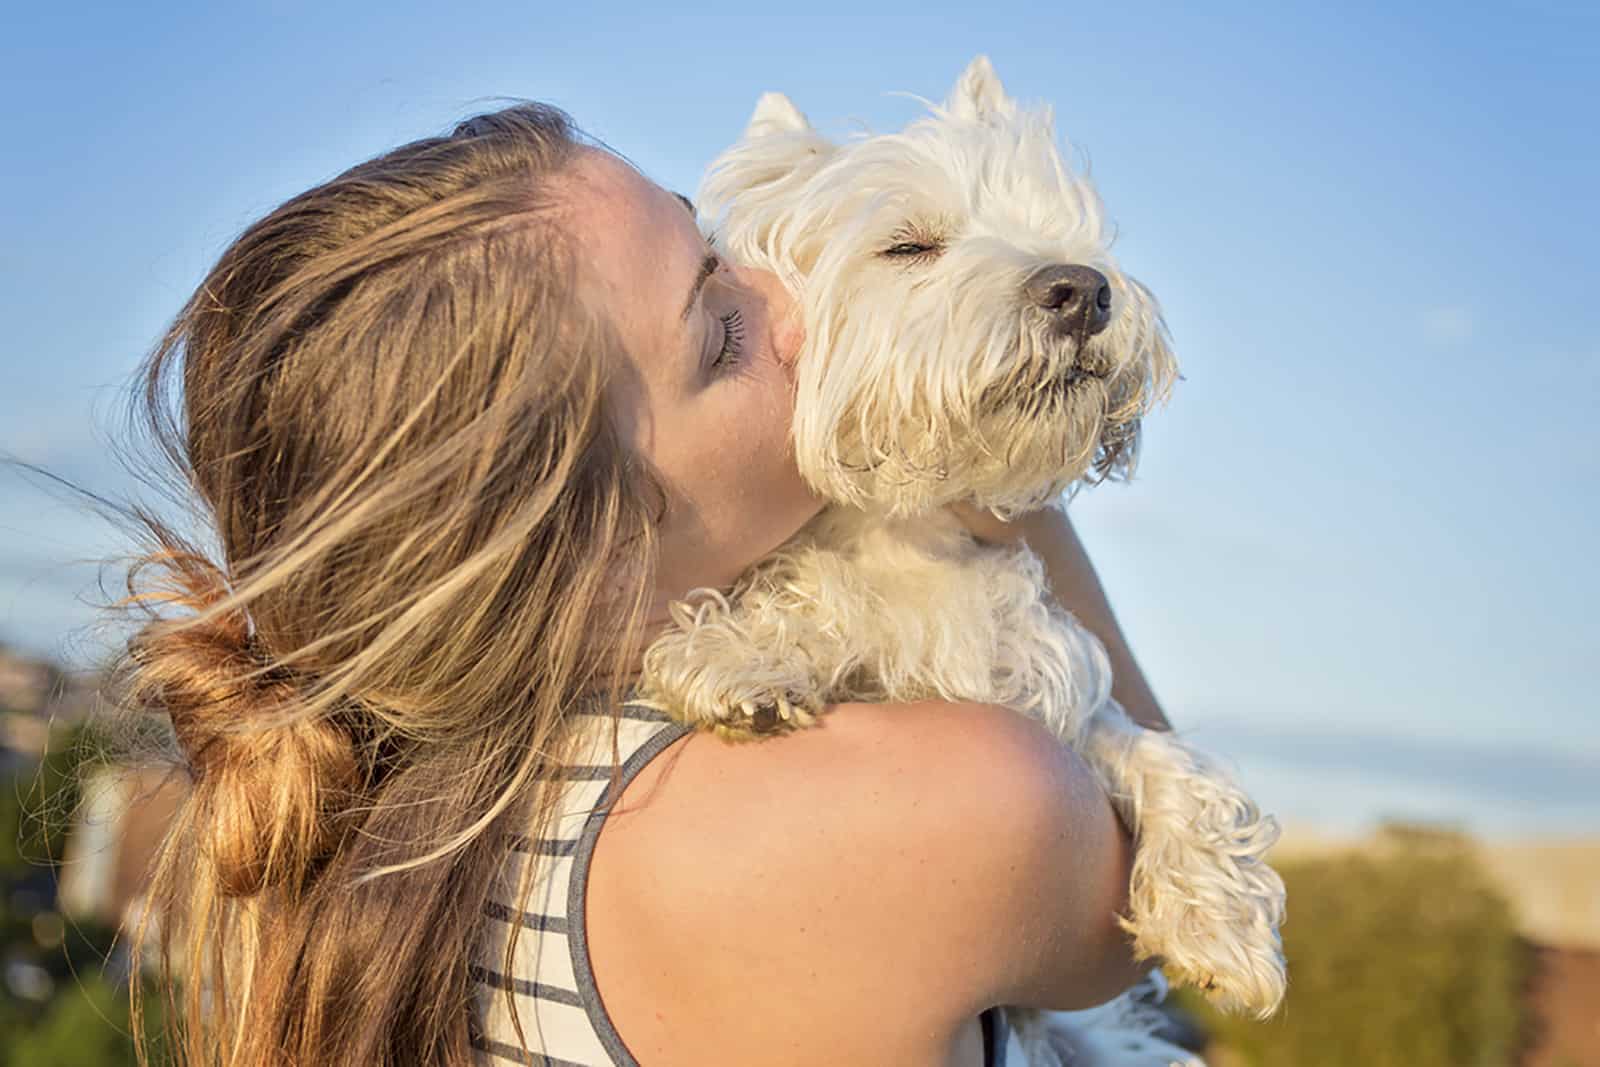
(1037, 863)
(903, 865)
(1061, 863)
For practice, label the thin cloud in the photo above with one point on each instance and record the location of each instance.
(1447, 325)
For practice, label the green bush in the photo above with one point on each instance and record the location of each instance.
(86, 1024)
(74, 1016)
(1401, 955)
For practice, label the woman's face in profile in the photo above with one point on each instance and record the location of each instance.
(710, 350)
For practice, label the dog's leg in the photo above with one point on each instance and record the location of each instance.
(794, 636)
(742, 669)
(1203, 899)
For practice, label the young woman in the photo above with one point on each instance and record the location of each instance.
(462, 423)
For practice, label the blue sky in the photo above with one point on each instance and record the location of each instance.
(1360, 557)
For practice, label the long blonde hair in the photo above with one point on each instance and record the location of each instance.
(386, 403)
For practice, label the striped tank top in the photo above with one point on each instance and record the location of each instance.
(562, 1019)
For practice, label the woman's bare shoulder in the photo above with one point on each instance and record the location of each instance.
(795, 877)
(909, 846)
(869, 777)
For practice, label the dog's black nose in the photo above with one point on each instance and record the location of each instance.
(1079, 296)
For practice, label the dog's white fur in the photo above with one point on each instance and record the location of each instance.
(929, 378)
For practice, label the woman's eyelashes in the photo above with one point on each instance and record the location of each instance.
(732, 340)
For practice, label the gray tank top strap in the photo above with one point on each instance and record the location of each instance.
(996, 1036)
(583, 855)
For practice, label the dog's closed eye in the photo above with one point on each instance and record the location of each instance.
(914, 242)
(918, 240)
(907, 249)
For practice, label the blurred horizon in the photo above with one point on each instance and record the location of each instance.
(1359, 557)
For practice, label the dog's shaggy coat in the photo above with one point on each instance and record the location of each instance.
(934, 372)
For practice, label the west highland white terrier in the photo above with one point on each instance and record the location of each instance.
(969, 338)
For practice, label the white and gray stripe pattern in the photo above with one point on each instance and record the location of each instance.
(563, 1021)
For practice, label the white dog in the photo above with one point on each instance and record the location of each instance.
(969, 338)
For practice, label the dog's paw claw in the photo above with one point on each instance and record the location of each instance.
(790, 711)
(764, 717)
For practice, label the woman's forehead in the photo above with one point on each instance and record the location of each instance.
(641, 243)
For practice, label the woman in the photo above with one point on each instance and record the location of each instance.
(465, 420)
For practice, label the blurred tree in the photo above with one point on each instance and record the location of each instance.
(63, 985)
(86, 1024)
(1400, 955)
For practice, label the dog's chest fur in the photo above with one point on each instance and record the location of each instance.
(914, 609)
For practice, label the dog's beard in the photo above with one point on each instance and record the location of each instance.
(1046, 433)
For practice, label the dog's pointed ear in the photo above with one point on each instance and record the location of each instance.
(978, 93)
(776, 113)
(780, 150)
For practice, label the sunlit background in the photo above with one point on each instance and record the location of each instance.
(1362, 552)
(1361, 557)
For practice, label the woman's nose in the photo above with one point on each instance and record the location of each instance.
(783, 313)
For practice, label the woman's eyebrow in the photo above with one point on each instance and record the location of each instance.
(708, 267)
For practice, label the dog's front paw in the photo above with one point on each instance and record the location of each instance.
(737, 712)
(712, 673)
